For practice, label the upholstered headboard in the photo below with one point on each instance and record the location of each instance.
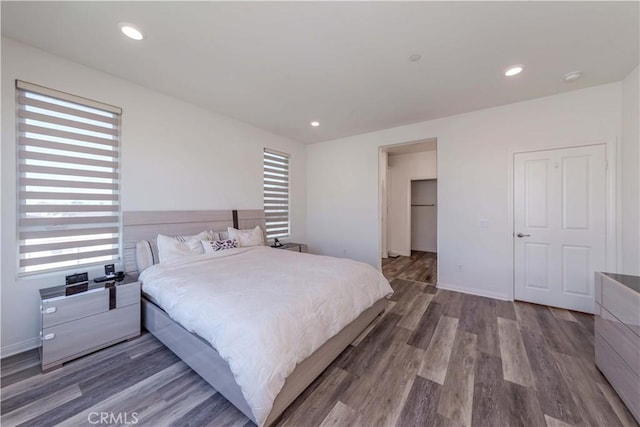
(146, 225)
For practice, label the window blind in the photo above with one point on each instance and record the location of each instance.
(276, 194)
(68, 180)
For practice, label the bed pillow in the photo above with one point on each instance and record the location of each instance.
(147, 253)
(170, 248)
(251, 237)
(210, 246)
(207, 235)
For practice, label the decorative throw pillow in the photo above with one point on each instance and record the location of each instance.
(251, 237)
(210, 246)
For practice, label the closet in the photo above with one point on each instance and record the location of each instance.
(424, 220)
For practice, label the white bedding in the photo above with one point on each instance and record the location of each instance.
(263, 309)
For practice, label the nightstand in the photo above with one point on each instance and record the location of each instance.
(75, 325)
(295, 247)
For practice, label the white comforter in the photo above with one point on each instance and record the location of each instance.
(264, 310)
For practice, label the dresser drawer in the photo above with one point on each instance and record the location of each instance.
(61, 310)
(620, 338)
(622, 378)
(622, 302)
(127, 294)
(68, 340)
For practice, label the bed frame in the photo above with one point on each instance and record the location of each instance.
(195, 351)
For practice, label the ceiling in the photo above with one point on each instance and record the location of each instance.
(280, 65)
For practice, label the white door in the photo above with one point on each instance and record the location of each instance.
(559, 225)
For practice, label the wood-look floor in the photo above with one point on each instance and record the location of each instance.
(419, 267)
(435, 358)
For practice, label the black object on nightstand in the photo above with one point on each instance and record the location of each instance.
(110, 275)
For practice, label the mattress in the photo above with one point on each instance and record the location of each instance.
(264, 310)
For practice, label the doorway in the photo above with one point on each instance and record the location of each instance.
(559, 225)
(408, 211)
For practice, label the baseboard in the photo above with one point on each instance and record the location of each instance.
(473, 291)
(19, 347)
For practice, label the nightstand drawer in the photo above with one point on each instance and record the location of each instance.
(127, 294)
(61, 310)
(68, 340)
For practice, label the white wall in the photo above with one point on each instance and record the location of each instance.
(174, 156)
(402, 169)
(473, 181)
(383, 172)
(424, 215)
(630, 185)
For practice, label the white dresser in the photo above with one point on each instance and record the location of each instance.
(78, 324)
(617, 335)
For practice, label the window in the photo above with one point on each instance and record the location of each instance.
(276, 193)
(68, 180)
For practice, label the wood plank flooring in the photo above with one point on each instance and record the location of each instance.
(419, 267)
(434, 358)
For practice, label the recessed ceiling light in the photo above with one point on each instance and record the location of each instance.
(415, 57)
(513, 70)
(572, 76)
(131, 31)
(315, 124)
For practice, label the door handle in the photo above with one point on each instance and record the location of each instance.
(523, 235)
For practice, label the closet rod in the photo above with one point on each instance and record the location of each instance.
(424, 205)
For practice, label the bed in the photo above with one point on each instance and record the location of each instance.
(228, 370)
